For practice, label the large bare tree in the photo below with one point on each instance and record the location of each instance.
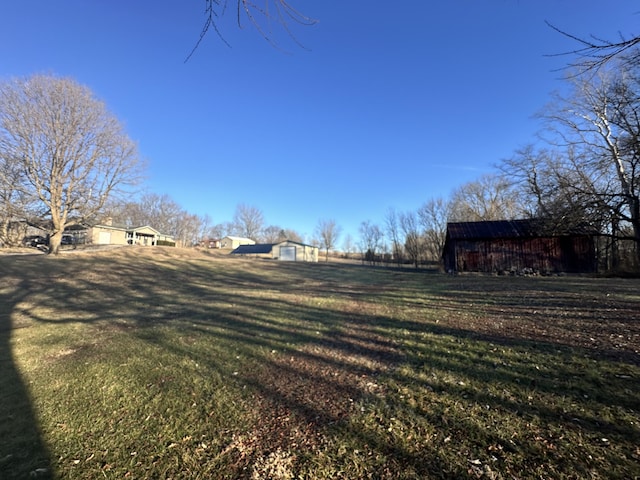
(597, 127)
(74, 153)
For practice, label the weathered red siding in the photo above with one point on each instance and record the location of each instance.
(571, 254)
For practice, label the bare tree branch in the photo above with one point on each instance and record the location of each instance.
(595, 52)
(261, 16)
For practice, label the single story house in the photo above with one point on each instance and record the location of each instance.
(287, 250)
(107, 234)
(234, 242)
(518, 246)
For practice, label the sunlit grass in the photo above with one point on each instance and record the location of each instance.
(162, 363)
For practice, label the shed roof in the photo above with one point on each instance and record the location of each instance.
(295, 243)
(257, 249)
(490, 229)
(525, 228)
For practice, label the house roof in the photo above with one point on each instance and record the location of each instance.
(143, 227)
(257, 249)
(526, 228)
(233, 237)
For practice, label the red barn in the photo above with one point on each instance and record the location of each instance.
(518, 246)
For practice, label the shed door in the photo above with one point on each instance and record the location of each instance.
(288, 254)
(104, 238)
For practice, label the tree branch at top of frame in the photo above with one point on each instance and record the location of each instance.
(261, 16)
(593, 52)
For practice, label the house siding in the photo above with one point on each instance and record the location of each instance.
(116, 236)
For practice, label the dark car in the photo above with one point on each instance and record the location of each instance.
(67, 240)
(35, 241)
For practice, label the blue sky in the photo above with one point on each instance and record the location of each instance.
(388, 104)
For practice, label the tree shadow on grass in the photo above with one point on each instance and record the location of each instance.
(23, 453)
(317, 371)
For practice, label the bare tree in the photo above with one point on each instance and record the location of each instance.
(328, 232)
(73, 153)
(273, 234)
(188, 227)
(371, 236)
(488, 198)
(412, 238)
(348, 246)
(597, 127)
(158, 211)
(393, 231)
(248, 221)
(555, 188)
(433, 216)
(14, 203)
(220, 230)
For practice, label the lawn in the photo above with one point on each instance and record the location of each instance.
(170, 363)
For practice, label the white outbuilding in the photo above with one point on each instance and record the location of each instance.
(232, 242)
(287, 251)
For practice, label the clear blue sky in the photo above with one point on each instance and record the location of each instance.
(388, 105)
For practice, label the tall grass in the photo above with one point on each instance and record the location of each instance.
(163, 363)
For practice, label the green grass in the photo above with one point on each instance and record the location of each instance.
(164, 363)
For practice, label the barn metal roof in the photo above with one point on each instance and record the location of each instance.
(257, 249)
(493, 229)
(527, 228)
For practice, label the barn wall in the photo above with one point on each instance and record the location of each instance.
(556, 254)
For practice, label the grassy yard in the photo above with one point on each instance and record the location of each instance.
(167, 363)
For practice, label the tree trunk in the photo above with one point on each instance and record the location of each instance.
(634, 207)
(54, 243)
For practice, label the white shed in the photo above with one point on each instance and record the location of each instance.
(232, 242)
(294, 252)
(287, 251)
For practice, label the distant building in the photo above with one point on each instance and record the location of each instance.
(518, 246)
(287, 250)
(232, 242)
(108, 234)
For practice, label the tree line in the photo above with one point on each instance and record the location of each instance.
(64, 157)
(582, 172)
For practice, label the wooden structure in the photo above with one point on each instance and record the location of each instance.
(517, 246)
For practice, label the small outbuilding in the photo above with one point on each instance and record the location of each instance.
(287, 250)
(517, 246)
(233, 242)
